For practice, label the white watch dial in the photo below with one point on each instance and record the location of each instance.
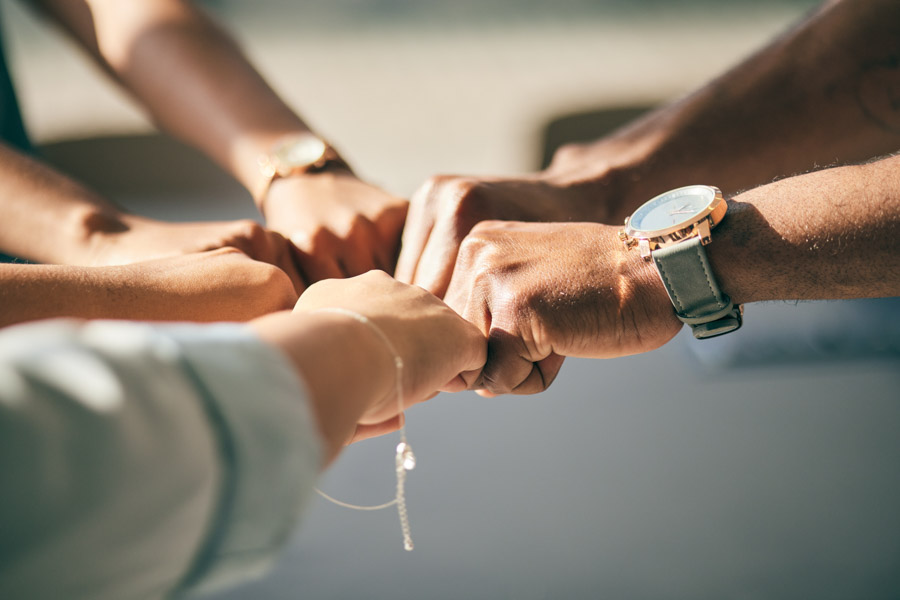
(682, 206)
(299, 151)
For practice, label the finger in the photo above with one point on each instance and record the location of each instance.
(357, 254)
(318, 268)
(285, 259)
(419, 223)
(508, 366)
(365, 432)
(255, 240)
(389, 228)
(317, 261)
(435, 267)
(466, 380)
(295, 272)
(457, 384)
(286, 263)
(542, 375)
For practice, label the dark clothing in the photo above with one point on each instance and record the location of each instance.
(12, 131)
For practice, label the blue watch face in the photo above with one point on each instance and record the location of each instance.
(676, 207)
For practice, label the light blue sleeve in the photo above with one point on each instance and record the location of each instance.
(136, 460)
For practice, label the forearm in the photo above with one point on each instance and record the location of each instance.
(824, 235)
(216, 286)
(819, 95)
(47, 216)
(34, 292)
(190, 75)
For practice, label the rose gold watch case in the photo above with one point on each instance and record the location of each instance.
(700, 224)
(318, 155)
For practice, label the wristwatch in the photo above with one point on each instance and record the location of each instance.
(297, 154)
(671, 230)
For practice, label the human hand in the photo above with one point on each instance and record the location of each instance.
(439, 349)
(543, 291)
(446, 208)
(218, 285)
(130, 238)
(342, 225)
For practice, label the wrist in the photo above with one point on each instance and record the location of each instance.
(749, 257)
(614, 175)
(93, 228)
(292, 155)
(640, 287)
(346, 368)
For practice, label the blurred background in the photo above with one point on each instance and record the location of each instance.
(760, 465)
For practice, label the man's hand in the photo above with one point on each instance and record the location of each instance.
(131, 239)
(341, 225)
(543, 291)
(446, 208)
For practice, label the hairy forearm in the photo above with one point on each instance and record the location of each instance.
(188, 72)
(825, 235)
(47, 216)
(818, 95)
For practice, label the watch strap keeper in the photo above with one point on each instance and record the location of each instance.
(688, 278)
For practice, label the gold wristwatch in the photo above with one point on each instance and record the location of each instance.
(671, 230)
(297, 154)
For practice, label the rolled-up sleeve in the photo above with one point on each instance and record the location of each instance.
(137, 460)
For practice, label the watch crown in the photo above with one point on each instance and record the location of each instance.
(622, 235)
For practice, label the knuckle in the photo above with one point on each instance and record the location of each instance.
(448, 190)
(376, 276)
(482, 251)
(229, 251)
(321, 239)
(486, 227)
(359, 224)
(461, 195)
(569, 152)
(477, 242)
(248, 228)
(278, 287)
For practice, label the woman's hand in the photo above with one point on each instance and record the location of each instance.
(129, 239)
(341, 225)
(349, 370)
(440, 350)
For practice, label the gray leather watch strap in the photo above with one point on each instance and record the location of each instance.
(692, 287)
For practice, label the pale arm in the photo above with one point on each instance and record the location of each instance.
(188, 73)
(140, 461)
(50, 218)
(197, 84)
